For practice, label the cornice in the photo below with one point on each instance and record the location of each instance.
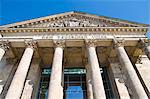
(116, 30)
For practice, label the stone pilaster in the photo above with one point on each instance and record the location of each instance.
(17, 84)
(98, 88)
(55, 85)
(3, 47)
(130, 72)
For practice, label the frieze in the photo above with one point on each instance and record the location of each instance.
(69, 36)
(72, 36)
(72, 22)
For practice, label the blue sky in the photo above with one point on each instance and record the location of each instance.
(18, 10)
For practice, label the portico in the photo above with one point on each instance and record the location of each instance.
(75, 41)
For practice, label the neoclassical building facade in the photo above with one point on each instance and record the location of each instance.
(74, 55)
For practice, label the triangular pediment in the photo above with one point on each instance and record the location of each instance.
(72, 22)
(73, 19)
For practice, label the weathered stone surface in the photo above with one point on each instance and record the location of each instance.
(89, 82)
(137, 88)
(98, 88)
(119, 81)
(74, 28)
(2, 52)
(148, 51)
(17, 84)
(32, 82)
(55, 87)
(143, 68)
(7, 70)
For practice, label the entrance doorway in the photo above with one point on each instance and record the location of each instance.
(75, 84)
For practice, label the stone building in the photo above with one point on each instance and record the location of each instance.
(74, 55)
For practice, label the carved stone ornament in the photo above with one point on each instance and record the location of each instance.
(146, 42)
(72, 22)
(5, 45)
(31, 44)
(143, 43)
(90, 42)
(59, 43)
(119, 43)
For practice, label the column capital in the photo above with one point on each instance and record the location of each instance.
(5, 45)
(90, 42)
(31, 44)
(119, 43)
(59, 43)
(145, 42)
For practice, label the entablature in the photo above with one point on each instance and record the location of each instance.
(108, 30)
(71, 39)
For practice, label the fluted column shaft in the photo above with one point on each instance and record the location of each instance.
(16, 87)
(55, 87)
(131, 73)
(97, 83)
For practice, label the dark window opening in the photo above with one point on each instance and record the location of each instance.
(74, 84)
(44, 83)
(107, 84)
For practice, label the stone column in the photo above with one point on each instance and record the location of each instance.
(17, 84)
(131, 73)
(143, 68)
(3, 47)
(146, 46)
(55, 87)
(7, 72)
(31, 88)
(117, 78)
(98, 88)
(89, 82)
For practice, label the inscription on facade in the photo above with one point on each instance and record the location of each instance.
(72, 36)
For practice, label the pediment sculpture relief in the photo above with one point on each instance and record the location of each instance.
(72, 22)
